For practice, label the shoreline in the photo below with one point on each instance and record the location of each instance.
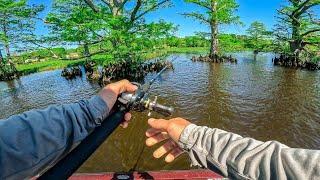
(30, 68)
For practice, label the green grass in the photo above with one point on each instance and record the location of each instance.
(188, 50)
(46, 65)
(100, 59)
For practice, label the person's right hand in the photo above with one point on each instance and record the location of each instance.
(169, 130)
(110, 95)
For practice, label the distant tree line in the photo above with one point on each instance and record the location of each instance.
(118, 28)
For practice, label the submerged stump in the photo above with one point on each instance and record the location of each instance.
(215, 59)
(72, 72)
(8, 71)
(131, 70)
(294, 62)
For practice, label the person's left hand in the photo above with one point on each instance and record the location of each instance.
(111, 92)
(169, 131)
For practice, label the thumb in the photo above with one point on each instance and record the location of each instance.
(160, 124)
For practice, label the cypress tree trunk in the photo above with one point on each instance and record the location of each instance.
(86, 52)
(214, 35)
(255, 54)
(1, 57)
(295, 44)
(6, 44)
(7, 47)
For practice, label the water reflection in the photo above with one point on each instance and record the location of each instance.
(251, 98)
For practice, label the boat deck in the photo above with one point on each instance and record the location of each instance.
(181, 174)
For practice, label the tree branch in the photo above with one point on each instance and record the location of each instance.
(201, 4)
(310, 31)
(198, 17)
(305, 8)
(303, 4)
(135, 10)
(150, 9)
(290, 16)
(317, 22)
(91, 5)
(122, 5)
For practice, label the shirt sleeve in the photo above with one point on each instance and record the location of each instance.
(245, 158)
(31, 141)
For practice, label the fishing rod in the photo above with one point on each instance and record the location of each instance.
(137, 101)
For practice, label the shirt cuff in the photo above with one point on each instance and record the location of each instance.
(99, 107)
(186, 141)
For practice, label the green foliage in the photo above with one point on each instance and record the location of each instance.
(215, 14)
(72, 21)
(298, 27)
(315, 59)
(224, 13)
(259, 37)
(40, 55)
(17, 22)
(46, 65)
(196, 41)
(7, 71)
(232, 43)
(117, 33)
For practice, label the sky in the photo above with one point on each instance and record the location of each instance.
(249, 11)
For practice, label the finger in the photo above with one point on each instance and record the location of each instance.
(126, 86)
(160, 124)
(167, 147)
(124, 125)
(175, 153)
(127, 116)
(152, 132)
(156, 139)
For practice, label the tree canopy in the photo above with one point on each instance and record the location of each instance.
(258, 36)
(215, 13)
(299, 26)
(119, 30)
(17, 23)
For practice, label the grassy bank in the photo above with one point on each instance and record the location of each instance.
(46, 65)
(100, 59)
(188, 50)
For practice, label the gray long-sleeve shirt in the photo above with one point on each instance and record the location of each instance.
(31, 141)
(246, 158)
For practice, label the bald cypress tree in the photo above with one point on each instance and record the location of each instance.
(215, 13)
(299, 26)
(17, 23)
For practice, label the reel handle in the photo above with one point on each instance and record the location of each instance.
(163, 110)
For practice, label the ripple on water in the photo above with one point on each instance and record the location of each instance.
(252, 98)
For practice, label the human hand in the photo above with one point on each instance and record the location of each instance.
(169, 130)
(111, 92)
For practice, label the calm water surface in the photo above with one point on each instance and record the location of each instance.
(251, 98)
